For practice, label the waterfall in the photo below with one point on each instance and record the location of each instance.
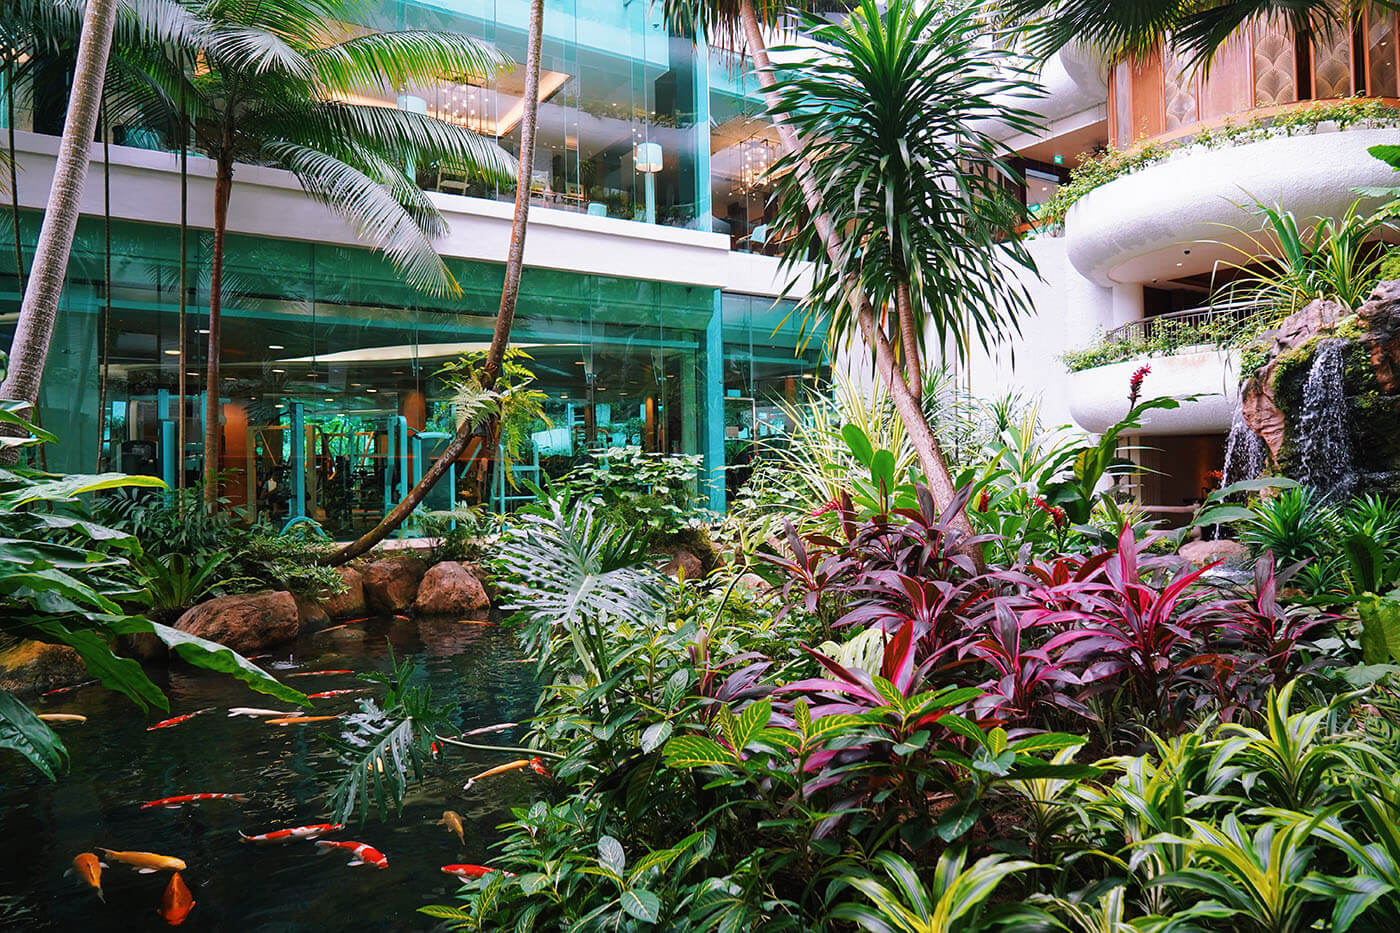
(1245, 453)
(1324, 441)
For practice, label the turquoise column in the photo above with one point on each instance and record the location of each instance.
(703, 207)
(714, 404)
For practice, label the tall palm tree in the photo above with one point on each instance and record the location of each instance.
(895, 117)
(268, 86)
(39, 308)
(1126, 28)
(468, 438)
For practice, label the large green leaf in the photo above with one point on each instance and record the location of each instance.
(696, 751)
(123, 675)
(21, 731)
(211, 656)
(68, 487)
(1390, 155)
(1380, 628)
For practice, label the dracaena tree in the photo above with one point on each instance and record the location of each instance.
(896, 115)
(269, 83)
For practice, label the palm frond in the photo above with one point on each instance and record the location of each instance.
(370, 207)
(404, 59)
(398, 135)
(257, 51)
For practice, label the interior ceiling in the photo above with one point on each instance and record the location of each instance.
(1072, 146)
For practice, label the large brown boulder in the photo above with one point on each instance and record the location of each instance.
(1201, 553)
(34, 666)
(246, 622)
(349, 603)
(684, 565)
(391, 584)
(449, 588)
(1259, 407)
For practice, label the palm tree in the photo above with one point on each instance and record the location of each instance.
(895, 123)
(1128, 28)
(267, 87)
(39, 309)
(468, 433)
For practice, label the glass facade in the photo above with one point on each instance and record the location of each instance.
(743, 147)
(330, 402)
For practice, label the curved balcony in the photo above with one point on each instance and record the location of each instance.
(1177, 217)
(1099, 396)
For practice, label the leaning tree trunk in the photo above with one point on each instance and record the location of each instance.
(907, 405)
(505, 314)
(39, 311)
(223, 187)
(104, 327)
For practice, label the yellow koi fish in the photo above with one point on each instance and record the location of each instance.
(146, 862)
(63, 717)
(453, 821)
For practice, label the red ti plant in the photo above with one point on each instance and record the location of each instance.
(1274, 635)
(1136, 630)
(1027, 680)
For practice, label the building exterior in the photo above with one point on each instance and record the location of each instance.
(651, 304)
(1278, 122)
(648, 305)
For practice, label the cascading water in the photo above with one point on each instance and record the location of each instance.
(1325, 459)
(1245, 453)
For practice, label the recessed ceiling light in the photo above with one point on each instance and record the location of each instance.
(281, 406)
(202, 330)
(371, 390)
(279, 370)
(172, 352)
(275, 346)
(191, 374)
(330, 400)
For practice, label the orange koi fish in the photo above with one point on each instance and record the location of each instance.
(534, 764)
(177, 901)
(363, 853)
(174, 803)
(318, 673)
(63, 717)
(167, 723)
(87, 867)
(297, 720)
(290, 835)
(476, 622)
(336, 693)
(146, 862)
(471, 871)
(453, 821)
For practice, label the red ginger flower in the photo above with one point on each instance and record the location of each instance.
(1135, 383)
(830, 505)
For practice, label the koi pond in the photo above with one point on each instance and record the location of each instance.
(284, 770)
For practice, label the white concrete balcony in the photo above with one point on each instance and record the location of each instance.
(1178, 217)
(1099, 396)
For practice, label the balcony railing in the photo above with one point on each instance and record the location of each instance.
(1213, 318)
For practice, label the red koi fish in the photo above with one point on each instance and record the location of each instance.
(290, 835)
(336, 693)
(177, 901)
(363, 853)
(318, 673)
(167, 723)
(174, 803)
(471, 871)
(298, 720)
(57, 690)
(538, 767)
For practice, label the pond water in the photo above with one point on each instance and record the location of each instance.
(285, 770)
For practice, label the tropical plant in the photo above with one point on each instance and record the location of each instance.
(385, 745)
(510, 404)
(955, 901)
(1128, 28)
(264, 83)
(897, 155)
(654, 493)
(1288, 264)
(63, 577)
(172, 584)
(1293, 524)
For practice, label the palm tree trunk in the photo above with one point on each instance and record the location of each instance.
(104, 329)
(505, 314)
(223, 188)
(39, 310)
(180, 386)
(907, 406)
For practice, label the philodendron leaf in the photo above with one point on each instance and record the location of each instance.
(209, 655)
(21, 731)
(1380, 628)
